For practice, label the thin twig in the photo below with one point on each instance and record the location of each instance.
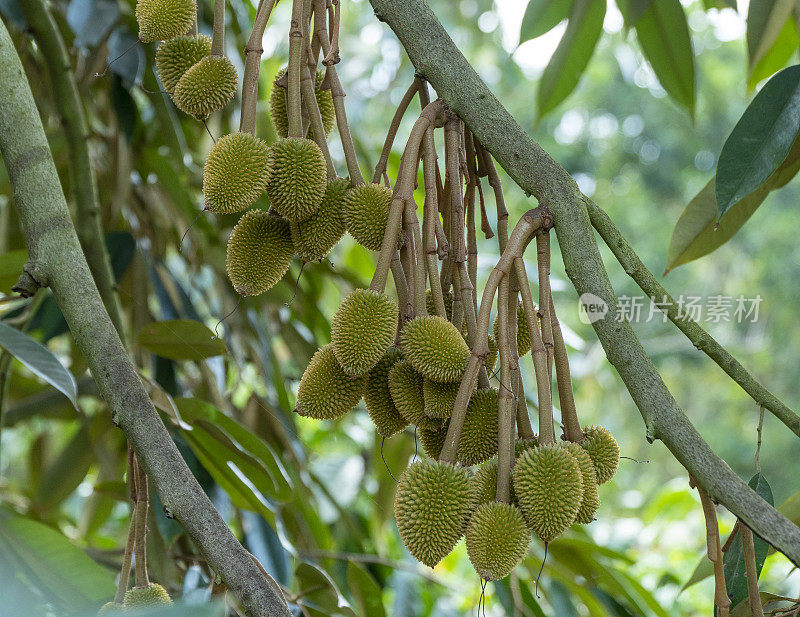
(569, 415)
(140, 514)
(394, 125)
(252, 65)
(714, 551)
(753, 595)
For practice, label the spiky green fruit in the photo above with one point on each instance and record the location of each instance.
(110, 608)
(236, 173)
(259, 252)
(313, 239)
(523, 334)
(591, 496)
(432, 505)
(435, 348)
(549, 489)
(448, 304)
(603, 450)
(299, 178)
(478, 440)
(439, 398)
(142, 597)
(326, 392)
(405, 386)
(366, 213)
(497, 540)
(206, 87)
(176, 56)
(362, 330)
(520, 445)
(378, 399)
(160, 20)
(277, 104)
(484, 483)
(433, 440)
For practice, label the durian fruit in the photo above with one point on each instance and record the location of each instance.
(591, 497)
(497, 540)
(326, 391)
(484, 483)
(362, 330)
(405, 386)
(432, 505)
(435, 348)
(142, 597)
(549, 489)
(603, 450)
(366, 213)
(206, 87)
(236, 173)
(448, 304)
(378, 399)
(259, 252)
(299, 178)
(478, 440)
(313, 239)
(433, 440)
(439, 398)
(176, 56)
(520, 445)
(161, 20)
(277, 104)
(110, 608)
(523, 334)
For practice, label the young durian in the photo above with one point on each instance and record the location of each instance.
(478, 441)
(363, 329)
(523, 334)
(484, 483)
(161, 20)
(236, 173)
(259, 252)
(366, 213)
(448, 304)
(143, 597)
(603, 450)
(405, 386)
(591, 496)
(549, 489)
(313, 239)
(432, 505)
(299, 178)
(277, 104)
(435, 348)
(439, 398)
(497, 540)
(378, 399)
(176, 56)
(326, 392)
(433, 440)
(110, 608)
(206, 87)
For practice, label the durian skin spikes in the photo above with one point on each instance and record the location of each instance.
(313, 239)
(299, 178)
(176, 56)
(591, 497)
(435, 348)
(497, 540)
(378, 398)
(161, 20)
(326, 392)
(603, 450)
(259, 252)
(143, 597)
(236, 173)
(206, 87)
(366, 213)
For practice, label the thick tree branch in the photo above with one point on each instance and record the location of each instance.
(436, 57)
(54, 249)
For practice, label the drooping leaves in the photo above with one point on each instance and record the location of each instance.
(180, 339)
(765, 20)
(541, 16)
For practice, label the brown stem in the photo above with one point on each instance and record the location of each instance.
(469, 201)
(252, 65)
(317, 129)
(569, 415)
(417, 255)
(296, 49)
(218, 35)
(430, 216)
(543, 259)
(332, 55)
(140, 514)
(753, 595)
(714, 551)
(505, 404)
(401, 286)
(383, 161)
(125, 570)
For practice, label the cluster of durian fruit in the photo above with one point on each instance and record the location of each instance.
(151, 596)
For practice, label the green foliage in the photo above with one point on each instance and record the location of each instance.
(180, 339)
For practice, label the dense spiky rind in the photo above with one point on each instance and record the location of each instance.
(405, 386)
(435, 348)
(206, 87)
(448, 304)
(161, 20)
(259, 252)
(591, 496)
(299, 178)
(432, 505)
(478, 440)
(363, 329)
(141, 597)
(236, 173)
(439, 398)
(110, 608)
(603, 450)
(520, 445)
(176, 56)
(366, 213)
(484, 483)
(326, 392)
(378, 399)
(277, 105)
(432, 440)
(549, 489)
(523, 334)
(313, 239)
(497, 540)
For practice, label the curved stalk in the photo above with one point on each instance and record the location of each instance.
(569, 415)
(252, 66)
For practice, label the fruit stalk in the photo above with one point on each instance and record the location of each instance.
(140, 533)
(312, 109)
(127, 557)
(505, 405)
(430, 217)
(394, 125)
(218, 35)
(469, 201)
(417, 254)
(296, 50)
(252, 65)
(543, 261)
(753, 595)
(714, 551)
(569, 415)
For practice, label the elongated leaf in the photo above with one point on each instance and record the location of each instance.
(39, 360)
(180, 339)
(10, 267)
(323, 597)
(66, 472)
(632, 10)
(791, 508)
(702, 571)
(663, 35)
(366, 591)
(761, 140)
(541, 16)
(572, 54)
(765, 20)
(777, 57)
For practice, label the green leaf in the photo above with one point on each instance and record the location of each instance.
(765, 20)
(663, 35)
(52, 564)
(761, 140)
(632, 10)
(572, 54)
(791, 508)
(10, 267)
(365, 590)
(702, 571)
(319, 594)
(777, 57)
(180, 339)
(39, 360)
(541, 16)
(66, 471)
